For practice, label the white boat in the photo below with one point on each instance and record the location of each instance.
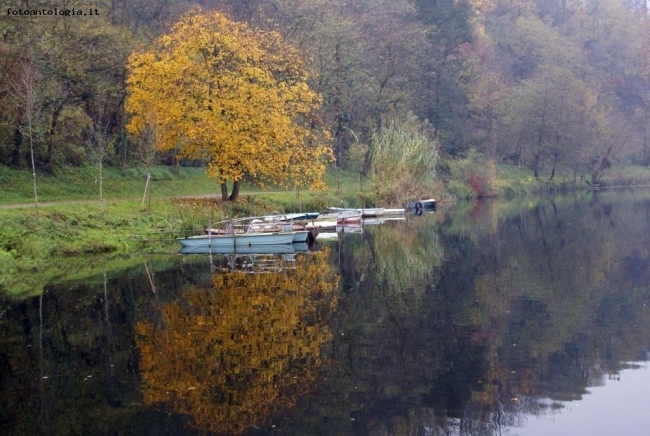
(349, 229)
(369, 212)
(327, 236)
(377, 211)
(316, 225)
(382, 220)
(299, 216)
(238, 239)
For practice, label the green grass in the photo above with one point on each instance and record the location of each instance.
(69, 238)
(80, 183)
(72, 183)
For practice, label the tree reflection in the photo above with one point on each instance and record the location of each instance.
(236, 354)
(504, 317)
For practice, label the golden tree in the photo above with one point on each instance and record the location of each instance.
(236, 97)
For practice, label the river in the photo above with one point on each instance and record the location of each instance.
(523, 317)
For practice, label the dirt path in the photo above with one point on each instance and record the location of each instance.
(61, 202)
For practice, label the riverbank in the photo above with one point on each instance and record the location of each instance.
(76, 235)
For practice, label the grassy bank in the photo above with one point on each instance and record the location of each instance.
(75, 237)
(72, 183)
(475, 179)
(81, 239)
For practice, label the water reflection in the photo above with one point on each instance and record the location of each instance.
(531, 300)
(476, 320)
(233, 355)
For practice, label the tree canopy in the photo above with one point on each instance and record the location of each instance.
(259, 94)
(239, 98)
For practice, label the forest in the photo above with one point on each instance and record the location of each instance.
(544, 84)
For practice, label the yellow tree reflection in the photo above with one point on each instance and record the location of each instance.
(232, 355)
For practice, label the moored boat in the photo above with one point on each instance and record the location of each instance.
(428, 204)
(298, 247)
(349, 229)
(368, 212)
(377, 211)
(349, 220)
(300, 216)
(238, 239)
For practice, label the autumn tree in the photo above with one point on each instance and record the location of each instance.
(232, 96)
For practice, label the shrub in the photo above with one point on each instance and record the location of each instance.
(403, 161)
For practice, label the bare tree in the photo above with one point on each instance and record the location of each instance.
(147, 151)
(98, 141)
(24, 89)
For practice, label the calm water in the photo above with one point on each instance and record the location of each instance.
(516, 318)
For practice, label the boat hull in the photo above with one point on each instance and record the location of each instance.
(429, 204)
(246, 249)
(239, 240)
(300, 235)
(371, 212)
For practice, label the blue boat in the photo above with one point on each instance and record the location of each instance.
(231, 241)
(245, 249)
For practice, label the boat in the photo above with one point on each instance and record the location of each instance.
(349, 229)
(255, 225)
(327, 236)
(300, 216)
(362, 212)
(242, 249)
(300, 235)
(391, 212)
(347, 220)
(428, 204)
(370, 212)
(299, 247)
(234, 240)
(321, 225)
(381, 220)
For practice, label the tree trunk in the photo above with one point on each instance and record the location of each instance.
(224, 191)
(555, 158)
(646, 154)
(31, 150)
(18, 141)
(602, 164)
(101, 188)
(235, 191)
(50, 133)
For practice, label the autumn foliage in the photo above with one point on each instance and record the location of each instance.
(219, 91)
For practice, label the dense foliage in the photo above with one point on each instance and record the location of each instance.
(548, 85)
(213, 89)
